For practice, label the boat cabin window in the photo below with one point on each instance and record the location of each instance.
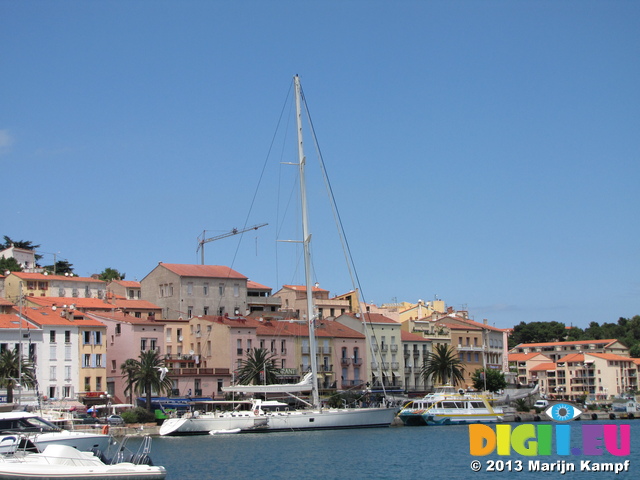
(28, 424)
(477, 405)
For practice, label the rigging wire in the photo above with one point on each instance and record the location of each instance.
(355, 280)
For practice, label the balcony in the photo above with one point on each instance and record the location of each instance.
(325, 368)
(306, 350)
(393, 348)
(345, 361)
(395, 365)
(384, 348)
(324, 350)
(184, 372)
(357, 362)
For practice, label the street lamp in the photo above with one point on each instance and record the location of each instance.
(107, 398)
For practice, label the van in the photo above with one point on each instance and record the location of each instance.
(541, 404)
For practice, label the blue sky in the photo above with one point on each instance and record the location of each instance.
(484, 152)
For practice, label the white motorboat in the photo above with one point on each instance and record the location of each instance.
(65, 462)
(447, 407)
(43, 433)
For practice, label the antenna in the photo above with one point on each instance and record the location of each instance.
(235, 231)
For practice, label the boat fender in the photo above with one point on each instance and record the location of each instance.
(256, 412)
(536, 418)
(594, 416)
(105, 430)
(517, 419)
(631, 416)
(612, 416)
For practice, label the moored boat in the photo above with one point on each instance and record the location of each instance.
(43, 433)
(65, 462)
(446, 407)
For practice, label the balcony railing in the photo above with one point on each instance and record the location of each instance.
(393, 348)
(357, 362)
(345, 361)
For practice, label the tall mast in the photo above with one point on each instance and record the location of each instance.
(306, 236)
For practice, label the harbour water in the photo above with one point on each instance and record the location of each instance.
(380, 453)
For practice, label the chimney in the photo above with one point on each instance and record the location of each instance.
(485, 321)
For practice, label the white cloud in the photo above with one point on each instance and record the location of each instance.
(6, 140)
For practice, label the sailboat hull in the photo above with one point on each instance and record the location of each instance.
(330, 419)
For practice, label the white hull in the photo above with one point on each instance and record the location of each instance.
(329, 419)
(83, 441)
(205, 423)
(62, 462)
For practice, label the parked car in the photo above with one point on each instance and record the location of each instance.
(541, 404)
(115, 420)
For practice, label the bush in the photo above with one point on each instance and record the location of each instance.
(138, 415)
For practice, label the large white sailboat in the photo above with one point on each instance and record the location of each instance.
(315, 417)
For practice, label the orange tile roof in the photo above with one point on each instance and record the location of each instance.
(576, 342)
(121, 317)
(611, 356)
(572, 357)
(523, 357)
(5, 303)
(94, 303)
(43, 277)
(378, 318)
(412, 337)
(49, 316)
(209, 271)
(256, 286)
(11, 320)
(543, 367)
(128, 283)
(303, 288)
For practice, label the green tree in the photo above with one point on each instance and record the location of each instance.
(110, 274)
(259, 363)
(128, 369)
(61, 267)
(443, 365)
(12, 368)
(9, 264)
(494, 379)
(149, 374)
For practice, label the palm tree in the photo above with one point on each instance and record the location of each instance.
(149, 374)
(258, 362)
(14, 370)
(443, 365)
(128, 368)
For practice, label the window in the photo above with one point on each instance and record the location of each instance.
(205, 289)
(205, 311)
(43, 285)
(189, 288)
(67, 373)
(143, 344)
(221, 289)
(86, 360)
(118, 328)
(236, 289)
(168, 335)
(52, 336)
(283, 347)
(52, 352)
(239, 346)
(152, 343)
(67, 352)
(98, 338)
(66, 392)
(113, 365)
(52, 372)
(87, 337)
(190, 311)
(67, 336)
(98, 361)
(99, 384)
(61, 292)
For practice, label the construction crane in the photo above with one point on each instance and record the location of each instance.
(235, 231)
